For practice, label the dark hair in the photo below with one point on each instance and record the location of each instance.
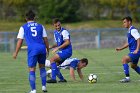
(84, 60)
(128, 18)
(55, 20)
(30, 15)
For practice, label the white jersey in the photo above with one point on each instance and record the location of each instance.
(70, 62)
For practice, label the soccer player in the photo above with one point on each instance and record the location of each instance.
(36, 38)
(62, 49)
(134, 48)
(72, 64)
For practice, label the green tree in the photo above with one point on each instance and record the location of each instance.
(66, 10)
(133, 6)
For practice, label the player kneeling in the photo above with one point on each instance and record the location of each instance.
(71, 64)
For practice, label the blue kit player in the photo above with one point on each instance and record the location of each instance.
(134, 48)
(71, 64)
(36, 39)
(62, 49)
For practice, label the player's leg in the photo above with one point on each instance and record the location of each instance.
(32, 60)
(54, 68)
(48, 65)
(32, 79)
(41, 61)
(125, 61)
(135, 67)
(63, 55)
(135, 59)
(49, 73)
(60, 76)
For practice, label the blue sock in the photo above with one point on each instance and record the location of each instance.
(137, 69)
(54, 70)
(126, 69)
(32, 79)
(43, 76)
(59, 75)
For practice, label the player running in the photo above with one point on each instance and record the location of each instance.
(72, 64)
(36, 38)
(62, 48)
(134, 48)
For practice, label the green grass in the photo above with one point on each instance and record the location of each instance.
(105, 63)
(14, 26)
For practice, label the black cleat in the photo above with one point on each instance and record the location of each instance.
(51, 81)
(62, 81)
(44, 91)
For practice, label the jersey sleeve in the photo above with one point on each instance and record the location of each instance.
(44, 32)
(135, 33)
(73, 64)
(21, 33)
(65, 34)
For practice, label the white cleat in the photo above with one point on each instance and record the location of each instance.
(44, 89)
(125, 80)
(32, 91)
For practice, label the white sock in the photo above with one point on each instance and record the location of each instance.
(127, 77)
(49, 71)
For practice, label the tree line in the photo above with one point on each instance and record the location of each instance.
(70, 10)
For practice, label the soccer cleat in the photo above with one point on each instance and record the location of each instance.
(32, 91)
(44, 89)
(51, 81)
(62, 81)
(125, 80)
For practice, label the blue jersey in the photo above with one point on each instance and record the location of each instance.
(70, 62)
(60, 37)
(33, 34)
(131, 40)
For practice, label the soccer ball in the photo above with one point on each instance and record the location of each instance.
(92, 78)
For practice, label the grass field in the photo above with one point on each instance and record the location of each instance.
(105, 63)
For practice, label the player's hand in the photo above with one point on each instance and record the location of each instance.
(14, 55)
(118, 49)
(135, 52)
(55, 50)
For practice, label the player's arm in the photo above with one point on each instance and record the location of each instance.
(46, 43)
(80, 74)
(72, 74)
(138, 46)
(66, 38)
(123, 47)
(136, 35)
(20, 37)
(44, 34)
(65, 44)
(18, 46)
(53, 46)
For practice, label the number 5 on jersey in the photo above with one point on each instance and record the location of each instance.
(34, 32)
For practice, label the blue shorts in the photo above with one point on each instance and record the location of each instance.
(64, 55)
(32, 60)
(134, 58)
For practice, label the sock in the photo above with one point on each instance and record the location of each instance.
(59, 75)
(43, 76)
(49, 71)
(137, 69)
(54, 70)
(127, 77)
(32, 79)
(126, 69)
